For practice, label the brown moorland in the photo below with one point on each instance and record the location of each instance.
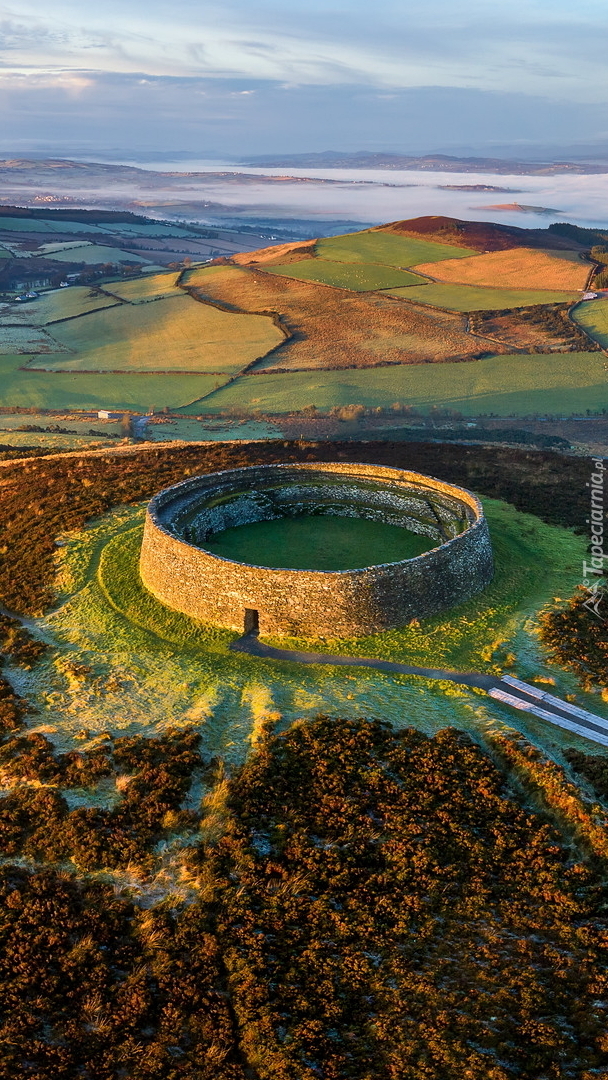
(535, 329)
(516, 268)
(482, 236)
(336, 328)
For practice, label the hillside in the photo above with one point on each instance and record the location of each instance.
(246, 330)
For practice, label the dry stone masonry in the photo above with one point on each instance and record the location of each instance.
(176, 568)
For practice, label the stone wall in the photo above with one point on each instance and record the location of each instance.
(177, 569)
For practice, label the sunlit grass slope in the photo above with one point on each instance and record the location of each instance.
(479, 298)
(515, 268)
(146, 287)
(179, 334)
(593, 318)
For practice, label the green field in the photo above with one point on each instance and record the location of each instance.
(563, 383)
(92, 254)
(356, 276)
(480, 298)
(45, 390)
(147, 287)
(169, 670)
(59, 304)
(180, 334)
(134, 228)
(592, 316)
(386, 248)
(28, 225)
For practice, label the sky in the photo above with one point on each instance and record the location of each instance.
(239, 78)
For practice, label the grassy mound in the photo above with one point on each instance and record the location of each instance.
(121, 584)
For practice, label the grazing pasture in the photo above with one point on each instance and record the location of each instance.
(515, 268)
(375, 246)
(479, 298)
(52, 306)
(505, 385)
(177, 335)
(592, 317)
(336, 329)
(359, 277)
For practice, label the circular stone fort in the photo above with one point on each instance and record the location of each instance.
(184, 523)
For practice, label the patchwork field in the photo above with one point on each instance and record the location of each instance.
(58, 304)
(592, 316)
(334, 329)
(172, 335)
(505, 385)
(518, 268)
(272, 311)
(479, 298)
(359, 277)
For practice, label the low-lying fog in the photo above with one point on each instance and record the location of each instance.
(355, 195)
(383, 195)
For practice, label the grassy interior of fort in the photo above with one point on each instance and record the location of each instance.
(319, 542)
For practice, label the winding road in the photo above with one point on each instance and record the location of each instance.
(506, 690)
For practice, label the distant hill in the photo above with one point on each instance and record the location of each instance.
(331, 159)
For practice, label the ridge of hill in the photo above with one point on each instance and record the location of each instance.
(480, 235)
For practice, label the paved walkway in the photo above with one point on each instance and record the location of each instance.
(507, 690)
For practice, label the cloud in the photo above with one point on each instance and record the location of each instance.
(231, 117)
(528, 45)
(71, 82)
